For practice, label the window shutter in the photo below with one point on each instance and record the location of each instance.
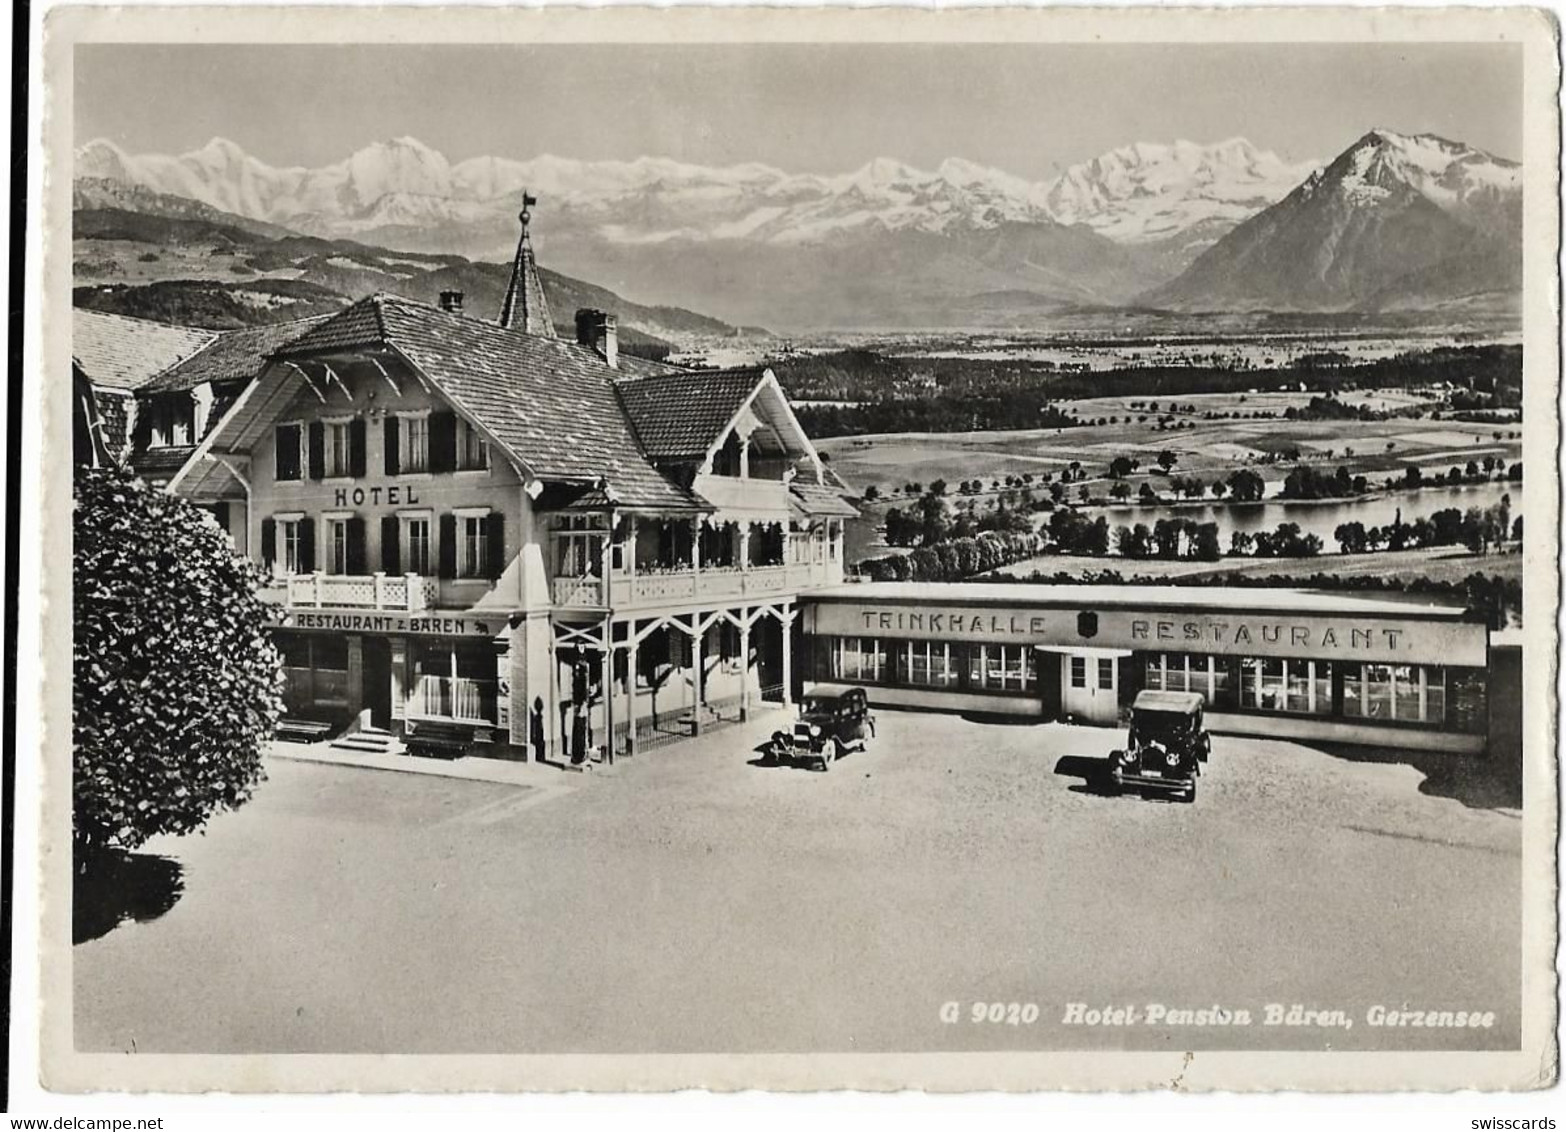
(495, 541)
(356, 555)
(356, 455)
(317, 450)
(306, 546)
(268, 541)
(443, 442)
(448, 546)
(393, 457)
(391, 534)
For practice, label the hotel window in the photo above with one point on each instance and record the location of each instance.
(288, 543)
(930, 664)
(416, 535)
(173, 421)
(289, 446)
(474, 547)
(337, 546)
(1079, 672)
(859, 658)
(1303, 687)
(1004, 668)
(1403, 693)
(338, 439)
(472, 451)
(578, 547)
(415, 445)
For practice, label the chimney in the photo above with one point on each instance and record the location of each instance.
(599, 331)
(451, 301)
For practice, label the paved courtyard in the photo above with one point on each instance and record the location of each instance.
(690, 900)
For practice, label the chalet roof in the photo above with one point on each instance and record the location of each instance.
(233, 355)
(821, 500)
(118, 352)
(549, 401)
(677, 415)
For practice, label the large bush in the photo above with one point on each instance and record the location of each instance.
(176, 684)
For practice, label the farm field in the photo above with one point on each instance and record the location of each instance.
(1208, 448)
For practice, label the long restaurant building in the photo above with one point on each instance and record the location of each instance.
(1273, 662)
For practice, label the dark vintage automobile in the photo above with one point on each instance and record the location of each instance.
(833, 720)
(1167, 745)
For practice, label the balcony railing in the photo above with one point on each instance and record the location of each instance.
(407, 593)
(664, 587)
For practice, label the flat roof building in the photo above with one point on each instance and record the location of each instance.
(1277, 662)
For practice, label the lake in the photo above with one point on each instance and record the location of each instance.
(1321, 517)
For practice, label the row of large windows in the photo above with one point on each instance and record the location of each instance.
(1426, 695)
(467, 544)
(1393, 693)
(336, 448)
(932, 664)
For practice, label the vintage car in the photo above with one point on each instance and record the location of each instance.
(833, 720)
(1166, 747)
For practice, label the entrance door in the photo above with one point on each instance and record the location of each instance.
(1051, 682)
(1090, 687)
(376, 680)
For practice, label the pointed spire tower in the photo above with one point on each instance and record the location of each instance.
(525, 308)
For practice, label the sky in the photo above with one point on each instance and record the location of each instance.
(1030, 109)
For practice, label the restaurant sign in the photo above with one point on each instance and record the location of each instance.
(1411, 641)
(416, 624)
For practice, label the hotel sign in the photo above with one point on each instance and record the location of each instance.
(1346, 637)
(414, 624)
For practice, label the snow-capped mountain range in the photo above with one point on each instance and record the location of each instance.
(889, 244)
(1135, 194)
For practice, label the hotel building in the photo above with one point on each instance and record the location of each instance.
(479, 530)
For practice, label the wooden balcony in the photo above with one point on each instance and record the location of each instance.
(683, 585)
(403, 593)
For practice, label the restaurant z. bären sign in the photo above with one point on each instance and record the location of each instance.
(1344, 636)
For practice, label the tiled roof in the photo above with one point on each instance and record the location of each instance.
(549, 401)
(117, 352)
(821, 500)
(678, 415)
(234, 355)
(162, 459)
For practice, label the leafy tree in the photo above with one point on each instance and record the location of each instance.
(1205, 545)
(1121, 467)
(1245, 486)
(1134, 542)
(1147, 494)
(175, 682)
(1167, 459)
(1120, 490)
(872, 493)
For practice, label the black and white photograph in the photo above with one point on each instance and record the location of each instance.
(961, 557)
